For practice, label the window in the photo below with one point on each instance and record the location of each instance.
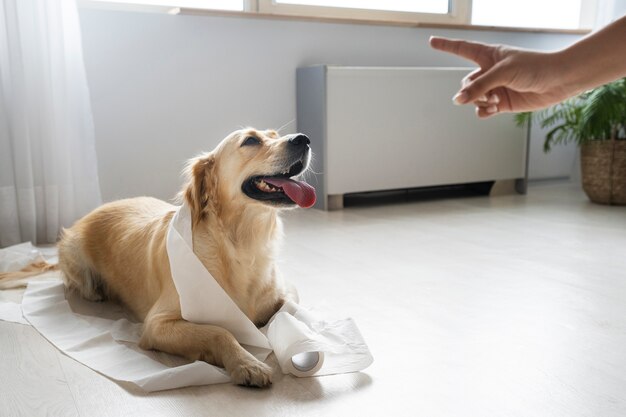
(558, 14)
(406, 11)
(552, 14)
(236, 5)
(416, 6)
(543, 14)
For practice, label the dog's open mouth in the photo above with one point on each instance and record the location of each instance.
(281, 188)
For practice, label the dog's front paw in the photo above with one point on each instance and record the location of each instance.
(252, 373)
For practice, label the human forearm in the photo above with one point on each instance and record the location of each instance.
(512, 80)
(596, 59)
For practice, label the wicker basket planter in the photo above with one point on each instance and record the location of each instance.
(596, 121)
(603, 165)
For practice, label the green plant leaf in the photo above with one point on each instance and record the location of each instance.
(598, 114)
(522, 119)
(604, 111)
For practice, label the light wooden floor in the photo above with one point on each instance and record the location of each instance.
(509, 306)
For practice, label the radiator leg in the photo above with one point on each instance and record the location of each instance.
(335, 202)
(521, 185)
(504, 187)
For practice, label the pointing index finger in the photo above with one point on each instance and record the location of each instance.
(473, 51)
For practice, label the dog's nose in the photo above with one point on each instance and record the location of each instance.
(299, 140)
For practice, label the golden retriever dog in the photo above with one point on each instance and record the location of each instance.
(235, 193)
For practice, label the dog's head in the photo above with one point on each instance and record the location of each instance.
(251, 167)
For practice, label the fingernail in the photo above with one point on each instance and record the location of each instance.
(492, 109)
(460, 97)
(494, 99)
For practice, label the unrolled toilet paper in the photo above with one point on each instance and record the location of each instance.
(304, 344)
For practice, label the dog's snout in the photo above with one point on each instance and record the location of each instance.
(299, 140)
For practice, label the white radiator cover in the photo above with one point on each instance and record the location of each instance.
(375, 129)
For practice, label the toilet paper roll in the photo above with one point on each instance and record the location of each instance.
(305, 364)
(306, 345)
(290, 338)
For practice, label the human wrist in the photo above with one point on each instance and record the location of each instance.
(567, 64)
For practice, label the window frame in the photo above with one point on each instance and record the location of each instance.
(459, 16)
(459, 12)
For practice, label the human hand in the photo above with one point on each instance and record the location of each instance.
(508, 79)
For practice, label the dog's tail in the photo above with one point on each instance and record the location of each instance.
(18, 279)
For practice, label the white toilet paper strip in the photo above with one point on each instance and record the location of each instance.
(202, 299)
(17, 257)
(97, 343)
(10, 311)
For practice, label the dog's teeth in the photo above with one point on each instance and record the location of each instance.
(262, 185)
(269, 188)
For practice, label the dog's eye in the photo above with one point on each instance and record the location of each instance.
(251, 140)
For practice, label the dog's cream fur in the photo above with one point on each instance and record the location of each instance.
(118, 251)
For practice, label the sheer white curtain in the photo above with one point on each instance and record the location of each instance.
(48, 171)
(609, 10)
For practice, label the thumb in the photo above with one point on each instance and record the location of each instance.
(480, 86)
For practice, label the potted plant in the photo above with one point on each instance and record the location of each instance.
(596, 121)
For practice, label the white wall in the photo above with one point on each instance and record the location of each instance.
(166, 87)
(558, 163)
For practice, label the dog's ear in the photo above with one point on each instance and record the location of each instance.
(201, 184)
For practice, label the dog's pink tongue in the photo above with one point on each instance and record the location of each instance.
(300, 192)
